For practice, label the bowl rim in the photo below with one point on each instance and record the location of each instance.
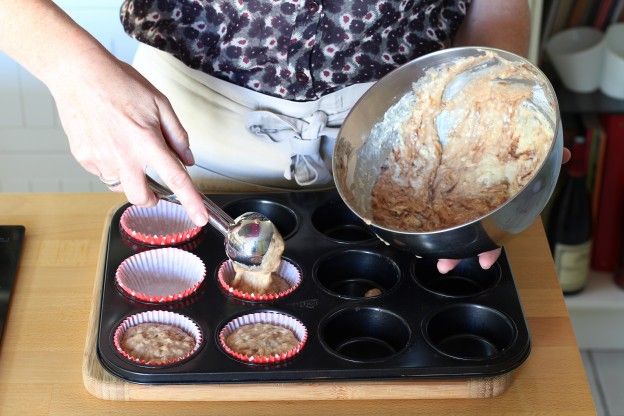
(369, 92)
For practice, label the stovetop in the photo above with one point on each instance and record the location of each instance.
(11, 239)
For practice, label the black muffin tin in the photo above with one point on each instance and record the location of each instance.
(468, 323)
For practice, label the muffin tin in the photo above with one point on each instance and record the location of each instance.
(468, 323)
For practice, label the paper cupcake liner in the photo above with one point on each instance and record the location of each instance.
(137, 246)
(274, 318)
(158, 317)
(165, 224)
(287, 271)
(161, 275)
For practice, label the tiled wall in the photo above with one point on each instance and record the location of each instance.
(34, 154)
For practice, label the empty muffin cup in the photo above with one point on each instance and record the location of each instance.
(289, 343)
(287, 271)
(163, 225)
(335, 220)
(356, 274)
(167, 338)
(468, 278)
(160, 275)
(364, 334)
(284, 218)
(469, 332)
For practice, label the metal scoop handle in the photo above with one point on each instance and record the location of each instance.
(216, 216)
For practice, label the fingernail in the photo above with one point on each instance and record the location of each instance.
(485, 264)
(201, 219)
(188, 157)
(443, 267)
(485, 261)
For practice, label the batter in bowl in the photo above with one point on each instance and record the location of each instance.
(471, 140)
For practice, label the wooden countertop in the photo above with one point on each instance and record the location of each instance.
(42, 347)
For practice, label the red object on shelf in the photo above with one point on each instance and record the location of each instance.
(578, 13)
(607, 241)
(596, 140)
(602, 16)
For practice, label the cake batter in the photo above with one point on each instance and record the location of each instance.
(262, 339)
(469, 144)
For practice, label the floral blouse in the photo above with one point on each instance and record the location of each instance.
(294, 49)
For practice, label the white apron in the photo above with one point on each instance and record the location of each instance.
(243, 140)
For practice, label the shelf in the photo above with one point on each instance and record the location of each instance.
(601, 293)
(576, 102)
(597, 313)
(593, 102)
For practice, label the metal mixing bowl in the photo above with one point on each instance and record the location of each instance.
(357, 162)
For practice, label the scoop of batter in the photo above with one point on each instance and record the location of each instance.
(466, 147)
(263, 279)
(260, 283)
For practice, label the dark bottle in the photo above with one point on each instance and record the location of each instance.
(570, 224)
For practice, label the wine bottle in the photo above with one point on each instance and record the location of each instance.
(570, 225)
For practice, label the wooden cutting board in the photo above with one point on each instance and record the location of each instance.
(102, 384)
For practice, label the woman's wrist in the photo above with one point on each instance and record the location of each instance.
(82, 63)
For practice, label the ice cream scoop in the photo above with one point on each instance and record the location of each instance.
(248, 239)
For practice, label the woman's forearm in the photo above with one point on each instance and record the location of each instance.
(45, 40)
(504, 25)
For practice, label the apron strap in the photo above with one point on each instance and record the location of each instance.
(302, 139)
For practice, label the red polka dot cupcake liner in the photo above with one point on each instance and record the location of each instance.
(138, 247)
(273, 318)
(165, 224)
(287, 271)
(158, 317)
(161, 275)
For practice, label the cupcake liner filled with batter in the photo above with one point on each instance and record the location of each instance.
(157, 338)
(161, 275)
(165, 224)
(263, 337)
(281, 283)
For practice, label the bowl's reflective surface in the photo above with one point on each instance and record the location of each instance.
(357, 162)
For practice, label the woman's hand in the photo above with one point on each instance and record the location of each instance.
(488, 258)
(118, 124)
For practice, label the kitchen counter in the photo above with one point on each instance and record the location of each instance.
(41, 352)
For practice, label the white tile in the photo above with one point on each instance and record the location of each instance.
(45, 185)
(76, 185)
(36, 166)
(37, 102)
(609, 367)
(45, 173)
(33, 140)
(14, 185)
(593, 383)
(10, 104)
(97, 186)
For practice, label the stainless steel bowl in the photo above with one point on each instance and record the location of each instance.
(357, 162)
